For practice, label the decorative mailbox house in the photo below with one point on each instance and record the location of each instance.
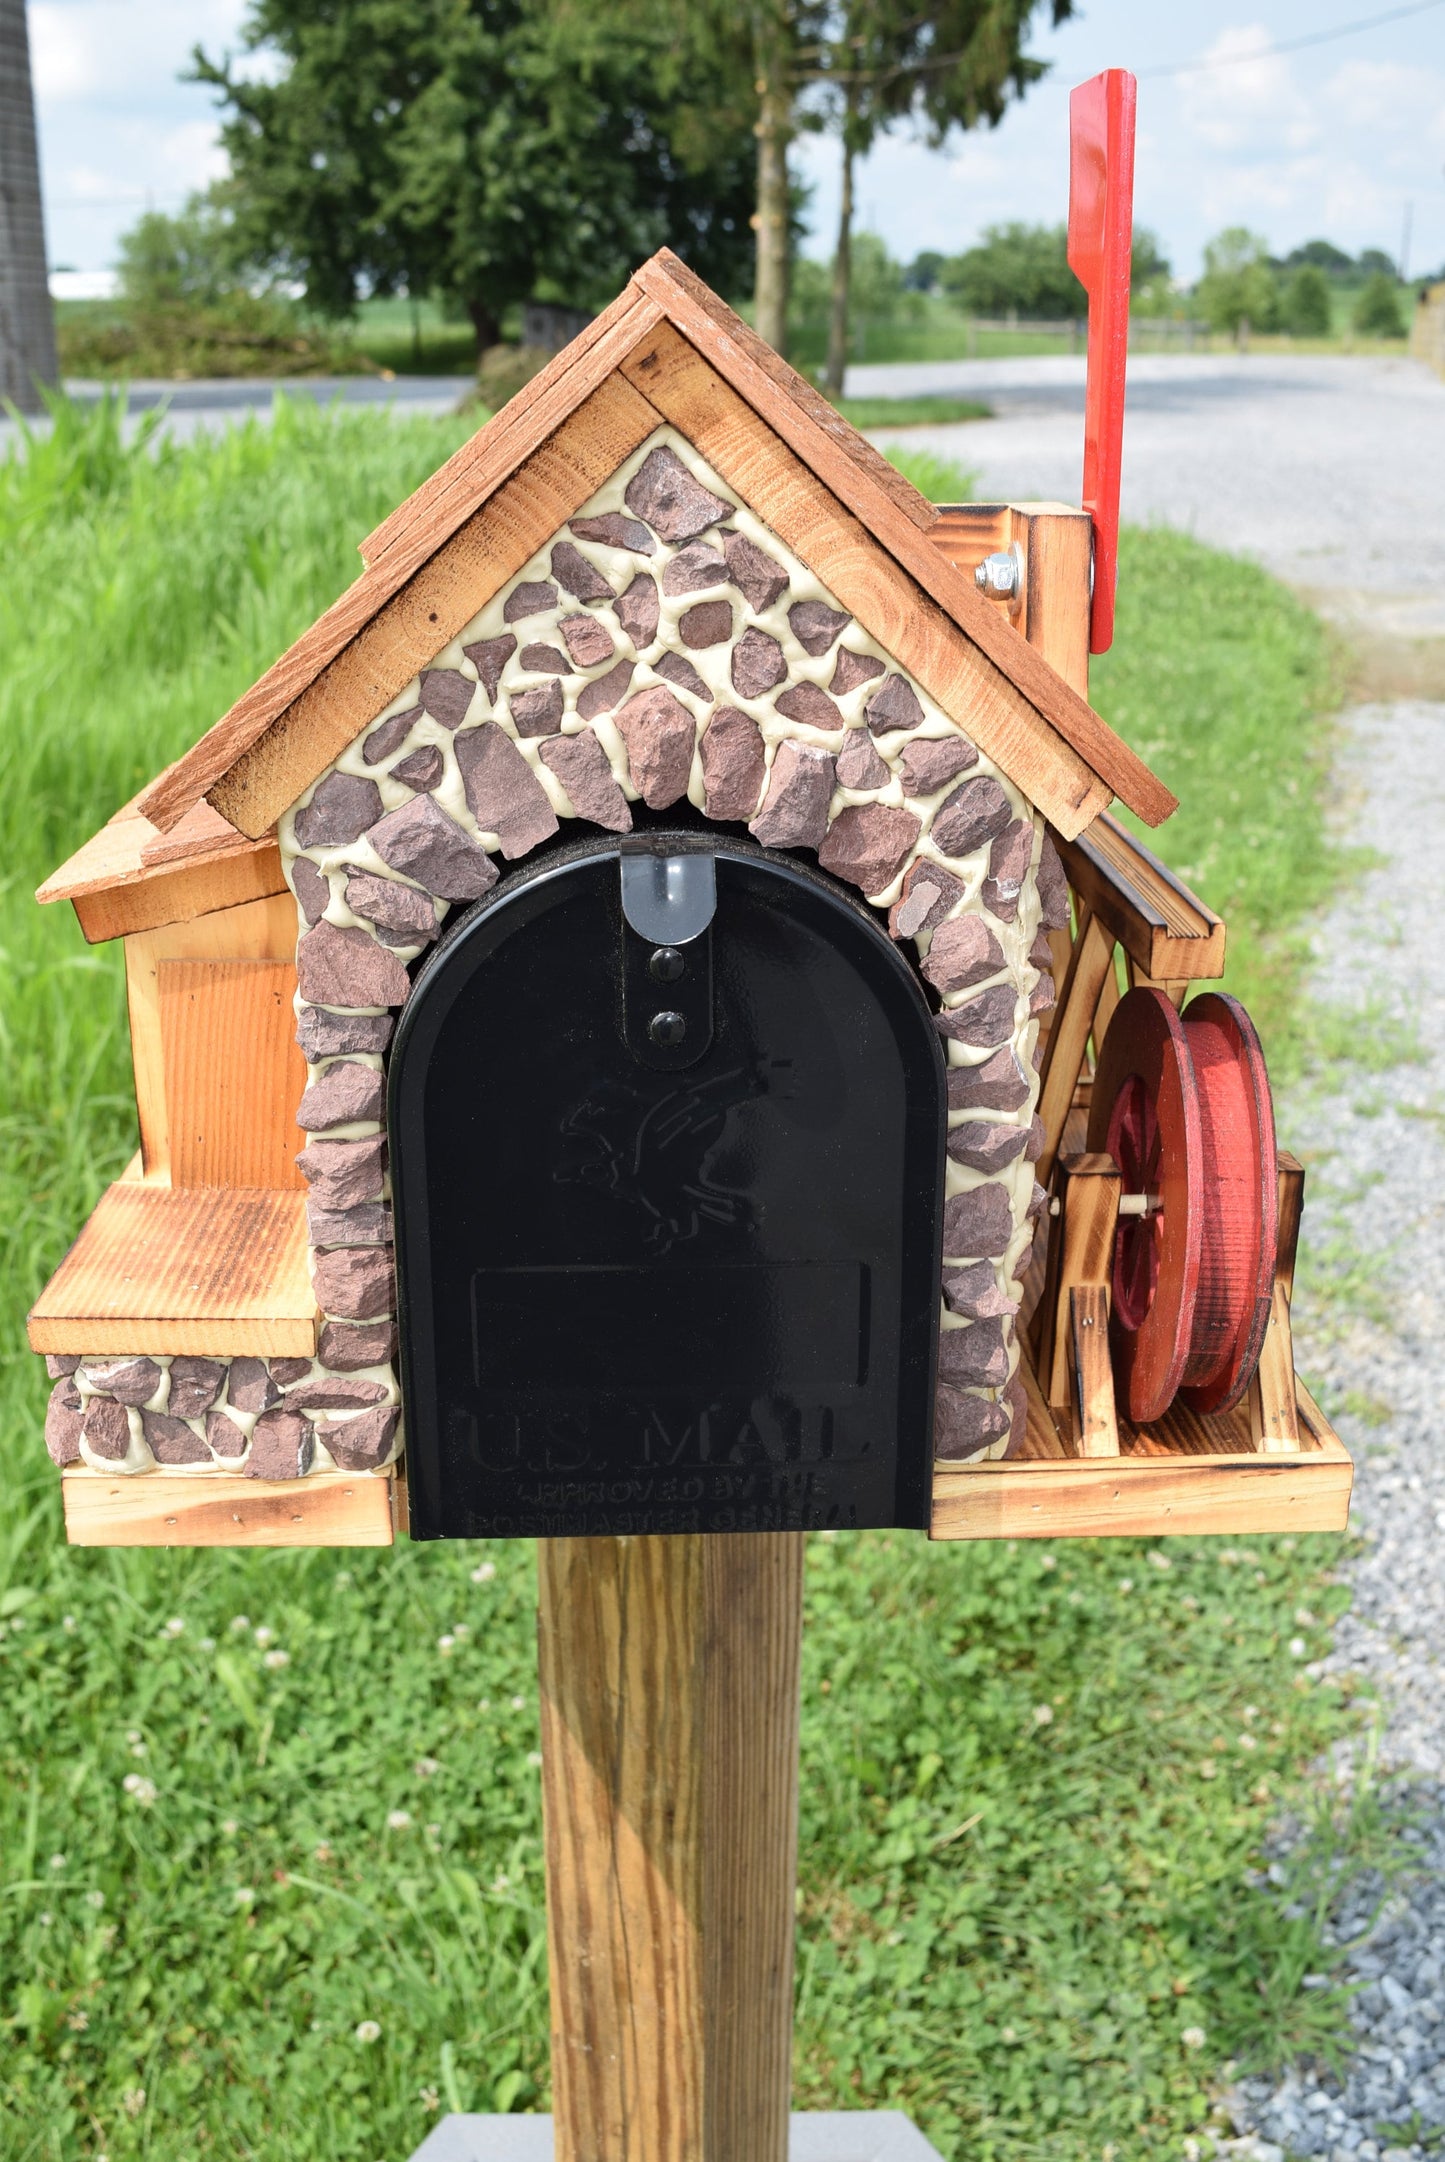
(645, 893)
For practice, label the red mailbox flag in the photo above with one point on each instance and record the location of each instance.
(1101, 232)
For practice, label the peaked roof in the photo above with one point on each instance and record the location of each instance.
(667, 351)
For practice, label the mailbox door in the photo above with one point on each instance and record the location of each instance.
(667, 1216)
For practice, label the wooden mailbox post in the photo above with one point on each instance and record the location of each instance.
(758, 626)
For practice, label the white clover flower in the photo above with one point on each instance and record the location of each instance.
(141, 1790)
(57, 1861)
(95, 1899)
(1247, 1741)
(519, 1704)
(175, 1627)
(1251, 1711)
(244, 1895)
(397, 1820)
(207, 1644)
(1193, 2038)
(1043, 1715)
(484, 1572)
(264, 1634)
(277, 1659)
(1207, 1768)
(132, 1734)
(460, 1631)
(133, 2101)
(240, 1623)
(446, 1645)
(1048, 1561)
(138, 1749)
(368, 2030)
(45, 1920)
(1297, 1647)
(1159, 1561)
(67, 1621)
(426, 1767)
(534, 1758)
(342, 1576)
(230, 1827)
(1126, 1583)
(429, 2098)
(484, 1704)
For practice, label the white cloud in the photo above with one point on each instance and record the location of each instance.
(114, 52)
(1246, 97)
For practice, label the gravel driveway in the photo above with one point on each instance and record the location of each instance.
(1332, 473)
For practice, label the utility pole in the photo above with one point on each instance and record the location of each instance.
(1405, 243)
(27, 321)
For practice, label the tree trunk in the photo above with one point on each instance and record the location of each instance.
(27, 321)
(842, 266)
(485, 327)
(770, 221)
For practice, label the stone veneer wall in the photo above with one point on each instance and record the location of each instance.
(664, 645)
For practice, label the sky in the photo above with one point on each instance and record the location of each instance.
(1343, 139)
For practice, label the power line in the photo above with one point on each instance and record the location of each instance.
(1293, 45)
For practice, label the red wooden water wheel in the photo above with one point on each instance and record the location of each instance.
(1182, 1104)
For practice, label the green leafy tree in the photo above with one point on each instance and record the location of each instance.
(925, 273)
(492, 151)
(1320, 255)
(1376, 264)
(167, 261)
(1024, 270)
(1238, 292)
(1377, 311)
(1306, 306)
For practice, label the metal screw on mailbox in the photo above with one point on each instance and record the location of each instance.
(666, 965)
(667, 1029)
(1000, 576)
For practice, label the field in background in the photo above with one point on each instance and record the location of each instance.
(250, 1803)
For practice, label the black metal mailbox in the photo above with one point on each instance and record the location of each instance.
(667, 1123)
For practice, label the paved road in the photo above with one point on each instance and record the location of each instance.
(1331, 471)
(217, 403)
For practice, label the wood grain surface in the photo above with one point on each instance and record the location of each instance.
(234, 1074)
(669, 1689)
(224, 1508)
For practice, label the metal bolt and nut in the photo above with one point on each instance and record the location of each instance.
(1000, 576)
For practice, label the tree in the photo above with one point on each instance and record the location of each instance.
(1376, 264)
(1320, 255)
(925, 273)
(189, 258)
(27, 320)
(1017, 270)
(1238, 289)
(1377, 311)
(493, 151)
(1307, 309)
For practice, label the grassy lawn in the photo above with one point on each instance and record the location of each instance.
(911, 412)
(252, 1805)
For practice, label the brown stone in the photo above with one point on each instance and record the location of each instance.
(489, 656)
(853, 669)
(344, 1092)
(58, 1364)
(64, 1420)
(975, 1293)
(733, 764)
(795, 809)
(195, 1385)
(679, 670)
(423, 843)
(250, 1386)
(859, 765)
(580, 764)
(1038, 1135)
(973, 814)
(446, 694)
(815, 625)
(694, 570)
(391, 735)
(1008, 866)
(344, 805)
(1041, 953)
(542, 660)
(324, 1035)
(504, 796)
(805, 703)
(1042, 998)
(660, 735)
(752, 570)
(171, 1441)
(965, 1426)
(893, 705)
(538, 710)
(403, 915)
(664, 493)
(282, 1446)
(327, 1392)
(345, 1346)
(637, 610)
(362, 1443)
(996, 1085)
(532, 599)
(341, 1173)
(601, 696)
(348, 968)
(615, 531)
(758, 664)
(986, 1148)
(223, 1437)
(976, 1354)
(285, 1371)
(933, 761)
(588, 641)
(129, 1381)
(106, 1429)
(985, 1019)
(1053, 886)
(312, 891)
(929, 892)
(867, 843)
(1038, 1202)
(367, 1224)
(961, 952)
(422, 769)
(582, 579)
(710, 623)
(977, 1225)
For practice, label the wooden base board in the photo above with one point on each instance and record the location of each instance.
(225, 1508)
(1183, 1475)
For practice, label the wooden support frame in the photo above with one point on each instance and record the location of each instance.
(225, 1508)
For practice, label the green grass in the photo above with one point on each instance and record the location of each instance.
(911, 412)
(1009, 1924)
